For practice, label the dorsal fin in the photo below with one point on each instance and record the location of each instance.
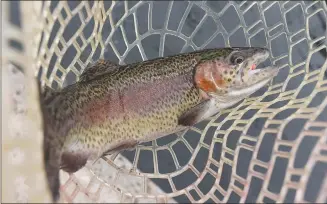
(99, 68)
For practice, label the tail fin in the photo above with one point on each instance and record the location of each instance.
(52, 167)
(51, 153)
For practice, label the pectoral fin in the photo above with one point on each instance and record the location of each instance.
(196, 114)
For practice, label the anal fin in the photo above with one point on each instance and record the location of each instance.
(196, 114)
(72, 162)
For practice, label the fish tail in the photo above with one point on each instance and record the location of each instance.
(52, 167)
(51, 153)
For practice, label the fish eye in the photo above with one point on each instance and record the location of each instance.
(237, 59)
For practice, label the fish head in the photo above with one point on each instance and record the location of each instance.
(230, 75)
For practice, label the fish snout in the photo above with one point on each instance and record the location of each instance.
(255, 80)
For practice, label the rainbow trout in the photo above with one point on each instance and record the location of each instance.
(115, 107)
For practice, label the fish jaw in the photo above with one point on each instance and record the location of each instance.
(256, 80)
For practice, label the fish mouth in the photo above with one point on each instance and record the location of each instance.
(254, 79)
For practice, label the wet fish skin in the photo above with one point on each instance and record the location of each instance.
(115, 107)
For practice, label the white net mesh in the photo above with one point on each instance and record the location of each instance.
(271, 147)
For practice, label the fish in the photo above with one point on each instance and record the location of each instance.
(115, 107)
